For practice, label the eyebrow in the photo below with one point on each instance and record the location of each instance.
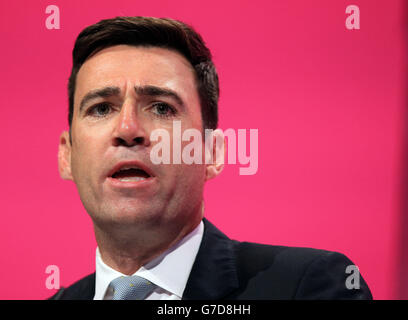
(99, 93)
(148, 90)
(153, 91)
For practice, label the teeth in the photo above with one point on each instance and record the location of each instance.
(132, 179)
(128, 167)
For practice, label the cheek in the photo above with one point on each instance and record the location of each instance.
(184, 186)
(84, 156)
(192, 185)
(190, 178)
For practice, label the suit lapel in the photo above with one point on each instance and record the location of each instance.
(214, 273)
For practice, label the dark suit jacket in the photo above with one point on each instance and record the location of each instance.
(228, 269)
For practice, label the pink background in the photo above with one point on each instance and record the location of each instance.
(329, 104)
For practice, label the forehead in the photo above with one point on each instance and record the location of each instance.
(125, 65)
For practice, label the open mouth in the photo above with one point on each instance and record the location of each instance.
(130, 173)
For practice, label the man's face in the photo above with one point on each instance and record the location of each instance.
(138, 90)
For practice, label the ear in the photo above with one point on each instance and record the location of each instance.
(64, 156)
(215, 153)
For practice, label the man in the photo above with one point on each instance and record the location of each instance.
(132, 76)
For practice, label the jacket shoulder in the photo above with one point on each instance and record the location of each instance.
(83, 289)
(282, 272)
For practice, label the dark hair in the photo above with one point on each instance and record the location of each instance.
(157, 32)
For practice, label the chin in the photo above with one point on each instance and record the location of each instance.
(133, 213)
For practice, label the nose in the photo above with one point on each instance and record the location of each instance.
(129, 130)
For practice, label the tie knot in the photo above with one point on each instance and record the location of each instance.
(131, 288)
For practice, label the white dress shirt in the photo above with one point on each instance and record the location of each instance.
(169, 271)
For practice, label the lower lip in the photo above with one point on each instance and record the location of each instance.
(131, 184)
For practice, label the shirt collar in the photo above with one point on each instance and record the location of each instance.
(169, 271)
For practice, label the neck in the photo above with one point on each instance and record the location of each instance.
(127, 249)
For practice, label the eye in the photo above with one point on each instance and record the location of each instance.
(163, 109)
(100, 110)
